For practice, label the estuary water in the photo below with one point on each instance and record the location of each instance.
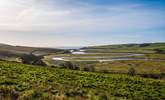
(98, 58)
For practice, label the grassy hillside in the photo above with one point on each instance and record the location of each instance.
(27, 82)
(25, 50)
(140, 48)
(9, 52)
(155, 68)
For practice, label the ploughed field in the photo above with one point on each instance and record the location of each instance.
(28, 82)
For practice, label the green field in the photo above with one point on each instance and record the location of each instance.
(141, 67)
(150, 64)
(131, 48)
(27, 82)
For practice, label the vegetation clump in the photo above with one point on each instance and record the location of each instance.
(89, 68)
(32, 59)
(144, 45)
(131, 71)
(69, 65)
(160, 51)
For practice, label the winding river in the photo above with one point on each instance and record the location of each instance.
(98, 58)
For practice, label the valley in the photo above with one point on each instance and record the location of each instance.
(114, 72)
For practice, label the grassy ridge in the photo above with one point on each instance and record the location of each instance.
(131, 46)
(17, 50)
(12, 53)
(21, 81)
(138, 48)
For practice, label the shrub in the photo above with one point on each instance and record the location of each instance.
(32, 59)
(105, 71)
(86, 69)
(131, 71)
(69, 65)
(144, 45)
(89, 68)
(160, 51)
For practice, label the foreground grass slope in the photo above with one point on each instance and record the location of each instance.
(27, 82)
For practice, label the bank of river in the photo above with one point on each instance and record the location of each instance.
(127, 56)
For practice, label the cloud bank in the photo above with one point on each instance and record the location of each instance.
(80, 22)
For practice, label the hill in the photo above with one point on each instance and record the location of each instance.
(27, 50)
(139, 48)
(27, 82)
(8, 51)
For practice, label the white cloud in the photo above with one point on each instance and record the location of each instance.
(67, 17)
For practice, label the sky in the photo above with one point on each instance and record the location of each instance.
(53, 23)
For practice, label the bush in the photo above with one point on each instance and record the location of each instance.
(32, 59)
(86, 69)
(160, 51)
(69, 65)
(89, 68)
(104, 71)
(131, 71)
(144, 45)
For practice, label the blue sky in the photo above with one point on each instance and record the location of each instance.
(54, 23)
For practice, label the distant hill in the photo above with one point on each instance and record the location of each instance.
(145, 47)
(2, 44)
(9, 50)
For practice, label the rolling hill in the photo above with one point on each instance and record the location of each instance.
(139, 48)
(9, 51)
